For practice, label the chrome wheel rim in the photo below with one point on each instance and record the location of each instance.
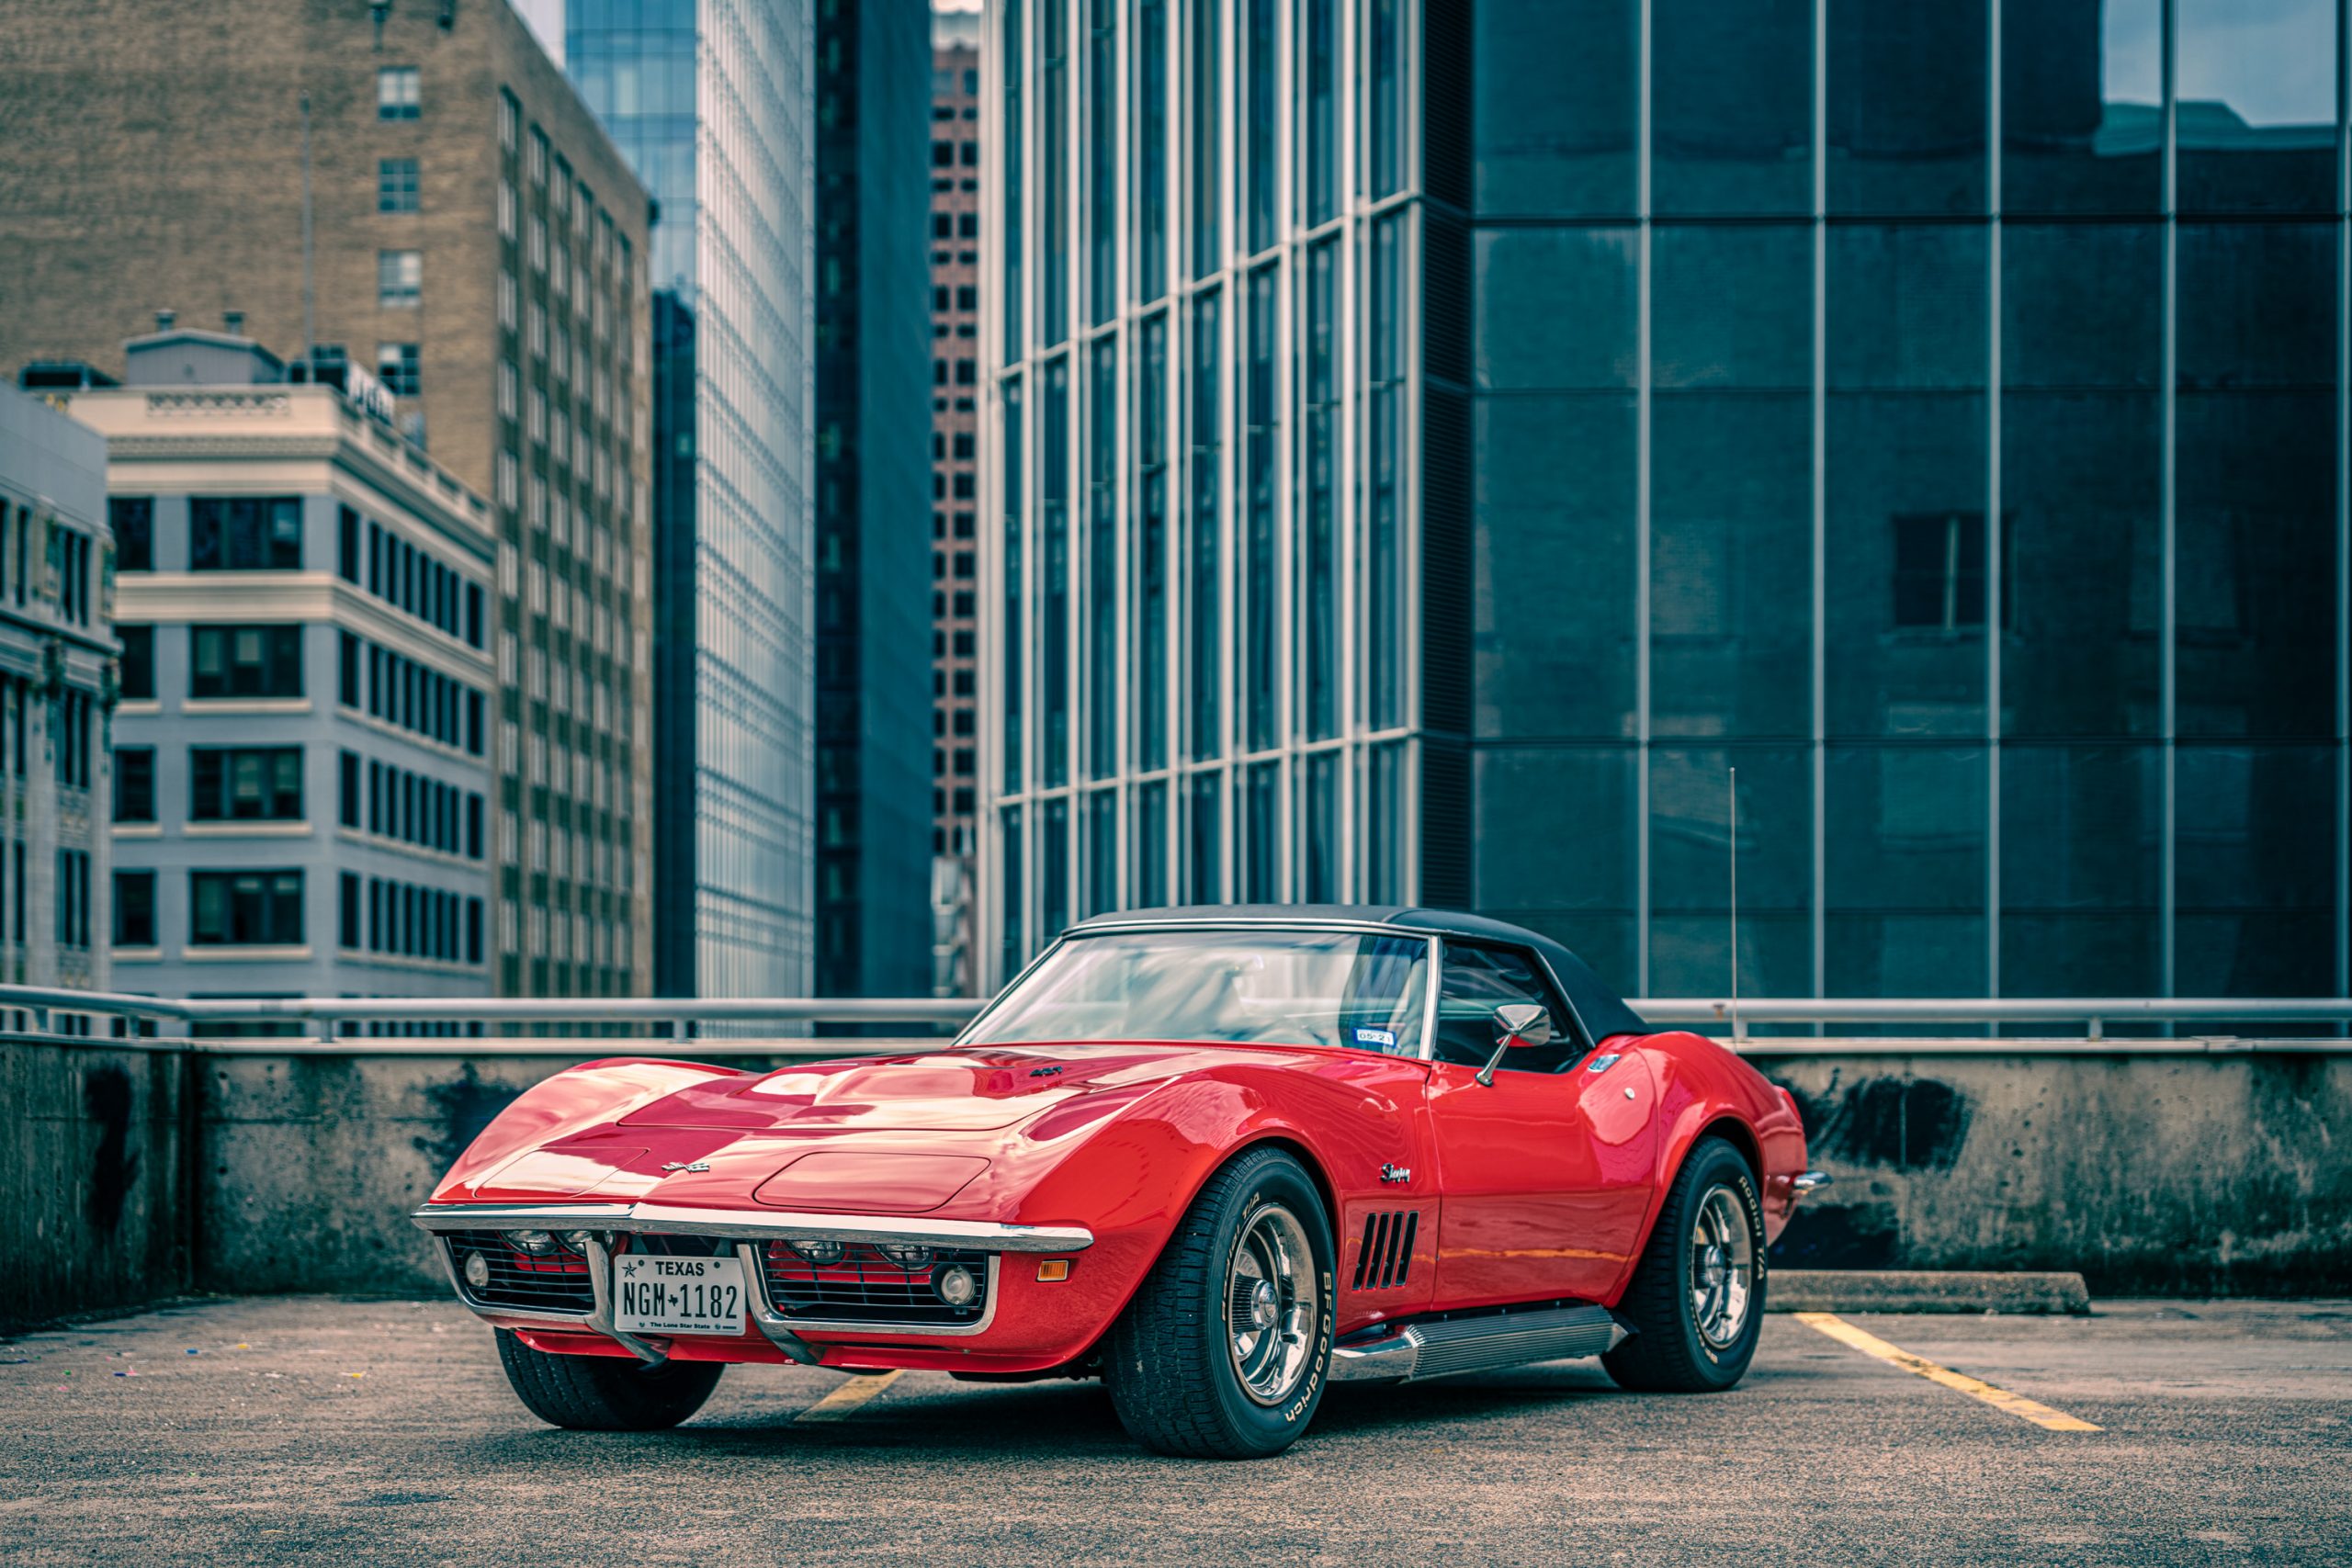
(1723, 1267)
(1270, 1315)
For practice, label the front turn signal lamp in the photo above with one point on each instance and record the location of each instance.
(1053, 1271)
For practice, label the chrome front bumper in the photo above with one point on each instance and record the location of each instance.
(671, 1219)
(748, 1231)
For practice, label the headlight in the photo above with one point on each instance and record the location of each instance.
(914, 1259)
(955, 1285)
(537, 1242)
(577, 1241)
(824, 1254)
(477, 1271)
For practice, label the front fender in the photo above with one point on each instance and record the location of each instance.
(569, 1101)
(1134, 1168)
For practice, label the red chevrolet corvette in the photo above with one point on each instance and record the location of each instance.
(1218, 1158)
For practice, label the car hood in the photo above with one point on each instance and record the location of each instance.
(902, 1135)
(948, 1092)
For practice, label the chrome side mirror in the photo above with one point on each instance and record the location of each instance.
(1516, 1024)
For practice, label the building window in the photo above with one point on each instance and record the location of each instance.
(245, 784)
(246, 534)
(246, 662)
(396, 185)
(510, 119)
(71, 733)
(347, 789)
(399, 279)
(347, 933)
(134, 909)
(138, 661)
(400, 93)
(245, 909)
(72, 898)
(133, 518)
(1939, 572)
(397, 365)
(134, 784)
(69, 567)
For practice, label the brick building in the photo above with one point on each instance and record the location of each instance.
(476, 240)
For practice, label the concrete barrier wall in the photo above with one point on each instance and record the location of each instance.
(137, 1175)
(2228, 1173)
(94, 1180)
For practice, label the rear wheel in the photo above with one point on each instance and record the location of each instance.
(605, 1394)
(1223, 1352)
(1696, 1302)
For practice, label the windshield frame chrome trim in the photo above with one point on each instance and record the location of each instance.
(1430, 935)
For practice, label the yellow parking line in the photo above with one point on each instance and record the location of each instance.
(2017, 1404)
(844, 1401)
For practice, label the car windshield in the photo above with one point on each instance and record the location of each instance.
(1357, 989)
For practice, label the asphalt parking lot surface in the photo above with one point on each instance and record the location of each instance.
(274, 1430)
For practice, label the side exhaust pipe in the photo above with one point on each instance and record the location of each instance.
(1477, 1344)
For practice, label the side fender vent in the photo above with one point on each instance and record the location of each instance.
(1387, 1255)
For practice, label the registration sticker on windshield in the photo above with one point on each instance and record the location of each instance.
(1375, 1039)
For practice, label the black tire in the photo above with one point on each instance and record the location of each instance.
(1168, 1362)
(1667, 1353)
(605, 1393)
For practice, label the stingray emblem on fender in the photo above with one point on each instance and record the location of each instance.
(674, 1164)
(1394, 1173)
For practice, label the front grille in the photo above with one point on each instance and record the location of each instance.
(863, 1287)
(1385, 1255)
(556, 1281)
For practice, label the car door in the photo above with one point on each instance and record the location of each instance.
(1546, 1172)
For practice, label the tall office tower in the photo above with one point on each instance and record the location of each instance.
(874, 362)
(57, 645)
(301, 771)
(711, 102)
(956, 206)
(1437, 442)
(446, 214)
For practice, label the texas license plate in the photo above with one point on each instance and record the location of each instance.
(678, 1295)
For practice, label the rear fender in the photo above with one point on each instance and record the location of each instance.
(1703, 1089)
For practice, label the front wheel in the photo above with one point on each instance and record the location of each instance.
(1696, 1302)
(1225, 1351)
(605, 1394)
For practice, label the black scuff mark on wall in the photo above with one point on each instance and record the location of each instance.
(107, 1100)
(1840, 1236)
(463, 1108)
(1895, 1123)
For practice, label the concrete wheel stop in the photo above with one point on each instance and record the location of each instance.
(1920, 1290)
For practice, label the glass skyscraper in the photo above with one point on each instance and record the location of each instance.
(711, 102)
(1435, 443)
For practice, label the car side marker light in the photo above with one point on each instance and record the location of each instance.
(1053, 1271)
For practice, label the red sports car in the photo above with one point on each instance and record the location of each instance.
(1218, 1158)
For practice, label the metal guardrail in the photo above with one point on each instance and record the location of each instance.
(677, 1018)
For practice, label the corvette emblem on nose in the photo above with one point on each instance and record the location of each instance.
(698, 1165)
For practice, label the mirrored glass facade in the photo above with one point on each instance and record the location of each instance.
(1936, 414)
(712, 101)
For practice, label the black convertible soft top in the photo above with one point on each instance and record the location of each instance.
(1602, 1011)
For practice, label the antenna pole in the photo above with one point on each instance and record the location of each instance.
(310, 292)
(1737, 1033)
